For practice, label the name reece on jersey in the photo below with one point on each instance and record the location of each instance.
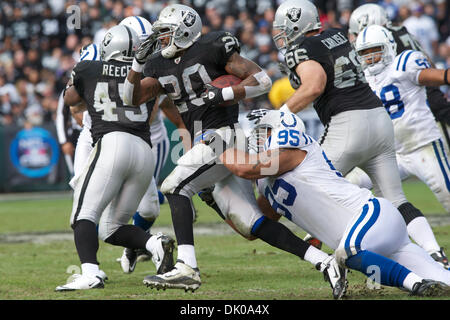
(334, 41)
(111, 70)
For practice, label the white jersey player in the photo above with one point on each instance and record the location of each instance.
(297, 179)
(398, 80)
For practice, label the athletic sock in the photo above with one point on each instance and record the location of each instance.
(410, 280)
(182, 218)
(86, 241)
(90, 269)
(420, 231)
(142, 223)
(129, 236)
(279, 236)
(379, 268)
(314, 255)
(186, 253)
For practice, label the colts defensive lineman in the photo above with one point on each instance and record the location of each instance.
(120, 167)
(366, 232)
(399, 82)
(183, 68)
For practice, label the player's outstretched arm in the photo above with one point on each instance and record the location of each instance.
(433, 77)
(314, 80)
(268, 163)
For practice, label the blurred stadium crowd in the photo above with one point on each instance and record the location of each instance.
(38, 49)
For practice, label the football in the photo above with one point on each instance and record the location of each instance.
(226, 81)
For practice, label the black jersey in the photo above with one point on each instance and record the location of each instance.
(100, 84)
(183, 79)
(404, 40)
(346, 88)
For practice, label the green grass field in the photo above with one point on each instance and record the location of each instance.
(232, 268)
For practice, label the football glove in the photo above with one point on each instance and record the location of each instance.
(293, 78)
(146, 48)
(212, 95)
(256, 115)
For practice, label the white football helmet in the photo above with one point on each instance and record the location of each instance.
(181, 24)
(120, 43)
(270, 119)
(367, 15)
(293, 19)
(140, 25)
(90, 52)
(375, 37)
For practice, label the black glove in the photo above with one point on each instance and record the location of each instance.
(256, 115)
(212, 95)
(146, 48)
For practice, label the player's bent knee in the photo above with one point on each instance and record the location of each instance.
(149, 210)
(246, 236)
(106, 230)
(241, 226)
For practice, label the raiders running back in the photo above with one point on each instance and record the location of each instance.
(100, 83)
(346, 87)
(202, 63)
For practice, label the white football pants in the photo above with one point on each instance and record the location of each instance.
(365, 139)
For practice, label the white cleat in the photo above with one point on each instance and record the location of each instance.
(128, 260)
(181, 276)
(335, 275)
(162, 253)
(102, 275)
(82, 282)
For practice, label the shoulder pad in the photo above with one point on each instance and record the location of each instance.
(411, 60)
(221, 39)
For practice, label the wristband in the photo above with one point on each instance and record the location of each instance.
(227, 93)
(445, 77)
(137, 67)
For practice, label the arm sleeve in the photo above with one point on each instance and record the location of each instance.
(60, 121)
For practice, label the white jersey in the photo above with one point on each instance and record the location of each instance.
(157, 129)
(314, 195)
(87, 122)
(406, 101)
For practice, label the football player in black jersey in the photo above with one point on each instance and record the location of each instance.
(183, 68)
(371, 13)
(121, 165)
(358, 131)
